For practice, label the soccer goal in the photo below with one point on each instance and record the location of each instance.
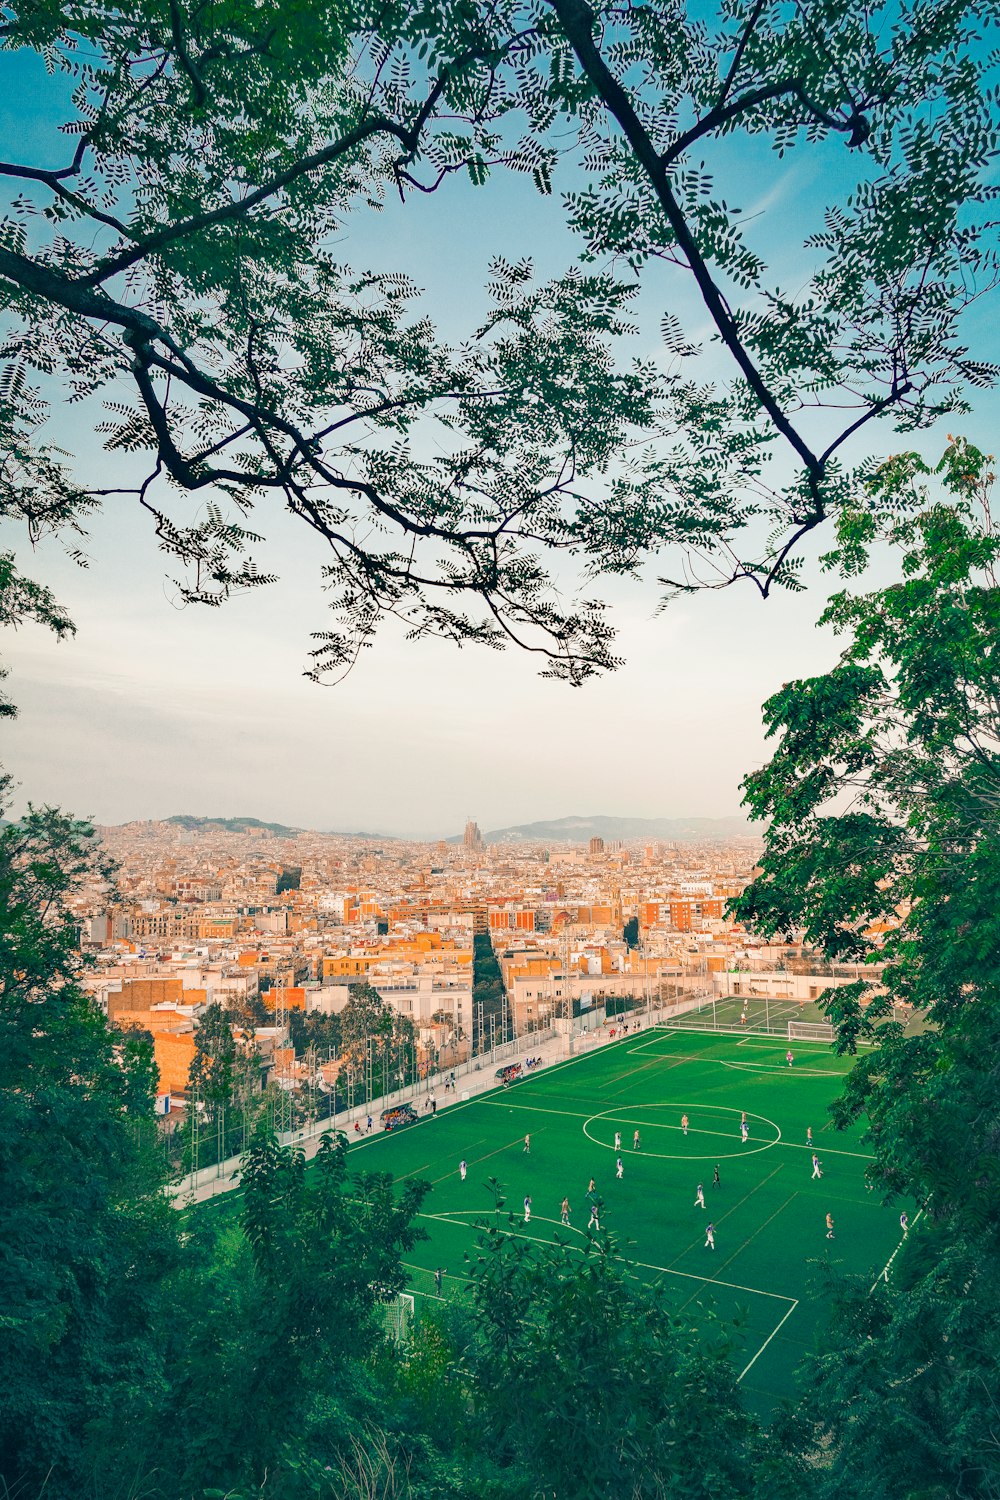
(398, 1317)
(810, 1031)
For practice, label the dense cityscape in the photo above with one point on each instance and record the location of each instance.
(205, 916)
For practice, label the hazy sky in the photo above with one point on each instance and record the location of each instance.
(153, 710)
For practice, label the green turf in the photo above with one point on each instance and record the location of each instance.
(769, 1213)
(762, 1015)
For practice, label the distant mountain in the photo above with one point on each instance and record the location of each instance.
(254, 825)
(580, 830)
(230, 825)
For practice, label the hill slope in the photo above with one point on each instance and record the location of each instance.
(229, 825)
(579, 829)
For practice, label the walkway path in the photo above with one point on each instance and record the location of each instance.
(471, 1078)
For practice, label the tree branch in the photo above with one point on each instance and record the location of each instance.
(408, 137)
(741, 47)
(577, 20)
(721, 115)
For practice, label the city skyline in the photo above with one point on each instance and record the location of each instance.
(629, 831)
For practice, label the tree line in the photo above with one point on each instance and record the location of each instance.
(233, 1087)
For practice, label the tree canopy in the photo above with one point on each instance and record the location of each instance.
(169, 259)
(88, 1234)
(627, 1388)
(882, 800)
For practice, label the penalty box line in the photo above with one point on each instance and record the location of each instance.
(457, 1217)
(773, 1334)
(741, 1067)
(706, 1281)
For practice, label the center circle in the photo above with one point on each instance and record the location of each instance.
(696, 1126)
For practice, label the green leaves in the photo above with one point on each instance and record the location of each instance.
(174, 274)
(89, 1234)
(882, 796)
(628, 1390)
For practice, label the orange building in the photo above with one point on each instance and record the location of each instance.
(687, 912)
(174, 1053)
(139, 995)
(292, 997)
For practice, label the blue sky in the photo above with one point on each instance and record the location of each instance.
(153, 709)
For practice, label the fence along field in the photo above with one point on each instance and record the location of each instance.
(768, 1210)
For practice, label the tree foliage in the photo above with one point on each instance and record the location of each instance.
(636, 1401)
(367, 1020)
(882, 798)
(308, 1029)
(171, 262)
(271, 1363)
(88, 1236)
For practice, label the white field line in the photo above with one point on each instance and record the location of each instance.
(721, 1062)
(663, 1035)
(786, 1071)
(720, 1031)
(883, 1275)
(457, 1216)
(770, 1336)
(574, 1114)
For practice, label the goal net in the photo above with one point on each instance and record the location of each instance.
(810, 1031)
(398, 1317)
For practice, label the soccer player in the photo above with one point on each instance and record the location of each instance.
(437, 1280)
(684, 1124)
(789, 1059)
(904, 1223)
(620, 1169)
(618, 1140)
(809, 1135)
(817, 1170)
(829, 1227)
(699, 1197)
(565, 1211)
(635, 1141)
(710, 1237)
(463, 1168)
(527, 1146)
(591, 1187)
(527, 1208)
(744, 1132)
(434, 1106)
(594, 1222)
(368, 1127)
(715, 1176)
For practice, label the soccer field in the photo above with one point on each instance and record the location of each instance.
(769, 1213)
